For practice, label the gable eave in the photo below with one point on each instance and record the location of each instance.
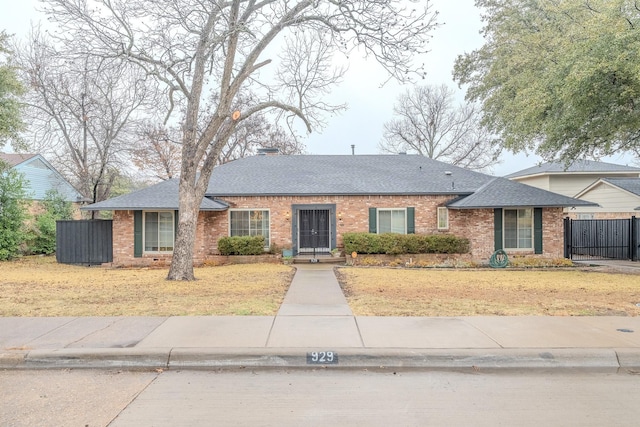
(604, 181)
(521, 206)
(330, 194)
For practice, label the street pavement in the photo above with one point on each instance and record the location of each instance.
(316, 327)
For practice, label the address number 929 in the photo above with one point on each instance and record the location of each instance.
(322, 358)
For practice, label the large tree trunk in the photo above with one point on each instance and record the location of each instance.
(182, 262)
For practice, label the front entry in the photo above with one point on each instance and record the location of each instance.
(315, 236)
(314, 228)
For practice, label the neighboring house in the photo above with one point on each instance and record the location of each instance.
(617, 197)
(40, 177)
(610, 186)
(308, 202)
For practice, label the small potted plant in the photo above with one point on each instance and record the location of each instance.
(287, 260)
(335, 252)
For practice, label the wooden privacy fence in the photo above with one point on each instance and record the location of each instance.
(587, 239)
(84, 242)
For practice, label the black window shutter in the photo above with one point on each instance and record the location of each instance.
(373, 220)
(537, 230)
(137, 234)
(411, 220)
(497, 228)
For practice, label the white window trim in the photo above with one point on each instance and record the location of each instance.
(533, 244)
(443, 211)
(378, 210)
(144, 231)
(268, 241)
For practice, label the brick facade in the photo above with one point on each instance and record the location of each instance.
(352, 215)
(605, 215)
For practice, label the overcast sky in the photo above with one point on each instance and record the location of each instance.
(369, 104)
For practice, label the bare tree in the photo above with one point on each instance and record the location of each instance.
(227, 46)
(80, 111)
(258, 132)
(157, 153)
(428, 123)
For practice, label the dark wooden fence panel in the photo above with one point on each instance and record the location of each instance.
(602, 238)
(635, 239)
(86, 242)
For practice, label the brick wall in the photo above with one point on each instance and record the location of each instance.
(553, 233)
(476, 225)
(123, 238)
(606, 215)
(354, 211)
(123, 242)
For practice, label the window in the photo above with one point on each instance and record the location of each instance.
(249, 223)
(443, 218)
(518, 228)
(392, 221)
(158, 231)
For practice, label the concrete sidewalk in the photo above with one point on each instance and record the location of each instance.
(315, 326)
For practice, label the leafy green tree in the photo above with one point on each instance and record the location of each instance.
(13, 212)
(10, 90)
(561, 78)
(43, 235)
(55, 203)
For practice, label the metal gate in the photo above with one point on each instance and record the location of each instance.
(587, 239)
(314, 231)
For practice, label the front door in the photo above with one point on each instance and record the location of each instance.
(314, 230)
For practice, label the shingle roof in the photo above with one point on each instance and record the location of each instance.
(581, 166)
(15, 159)
(341, 175)
(346, 175)
(502, 192)
(160, 196)
(632, 185)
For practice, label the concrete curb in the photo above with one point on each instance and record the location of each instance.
(437, 359)
(629, 358)
(85, 358)
(606, 359)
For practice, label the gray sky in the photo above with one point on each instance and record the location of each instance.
(369, 104)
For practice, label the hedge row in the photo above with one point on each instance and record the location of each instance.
(394, 244)
(244, 245)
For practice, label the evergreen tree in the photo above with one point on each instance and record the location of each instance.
(13, 212)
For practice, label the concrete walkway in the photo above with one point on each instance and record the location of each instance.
(315, 321)
(314, 291)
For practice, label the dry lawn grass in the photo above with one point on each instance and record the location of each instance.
(38, 286)
(431, 292)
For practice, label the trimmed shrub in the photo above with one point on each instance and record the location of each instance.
(241, 245)
(42, 236)
(395, 244)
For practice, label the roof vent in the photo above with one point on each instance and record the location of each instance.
(448, 173)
